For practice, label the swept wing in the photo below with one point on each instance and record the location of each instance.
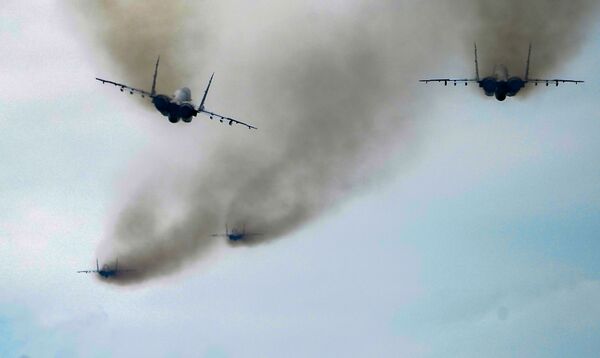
(555, 81)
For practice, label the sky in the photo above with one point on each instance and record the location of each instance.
(481, 239)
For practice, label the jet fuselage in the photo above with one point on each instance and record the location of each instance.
(500, 84)
(107, 272)
(236, 236)
(176, 107)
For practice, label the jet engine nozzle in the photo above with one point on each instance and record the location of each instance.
(161, 102)
(186, 110)
(489, 85)
(514, 85)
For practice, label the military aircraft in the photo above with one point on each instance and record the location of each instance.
(106, 270)
(500, 83)
(236, 235)
(179, 106)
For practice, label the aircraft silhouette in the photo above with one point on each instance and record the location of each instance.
(500, 84)
(106, 270)
(236, 235)
(179, 106)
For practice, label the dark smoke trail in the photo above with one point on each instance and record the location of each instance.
(332, 88)
(134, 33)
(504, 30)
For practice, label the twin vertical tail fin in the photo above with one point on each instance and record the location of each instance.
(201, 108)
(476, 63)
(527, 66)
(97, 266)
(153, 92)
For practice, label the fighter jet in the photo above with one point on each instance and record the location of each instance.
(500, 83)
(236, 235)
(179, 106)
(106, 271)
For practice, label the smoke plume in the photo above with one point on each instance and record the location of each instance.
(330, 86)
(504, 30)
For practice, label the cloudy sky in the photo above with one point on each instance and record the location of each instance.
(479, 237)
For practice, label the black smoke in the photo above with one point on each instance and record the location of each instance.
(331, 88)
